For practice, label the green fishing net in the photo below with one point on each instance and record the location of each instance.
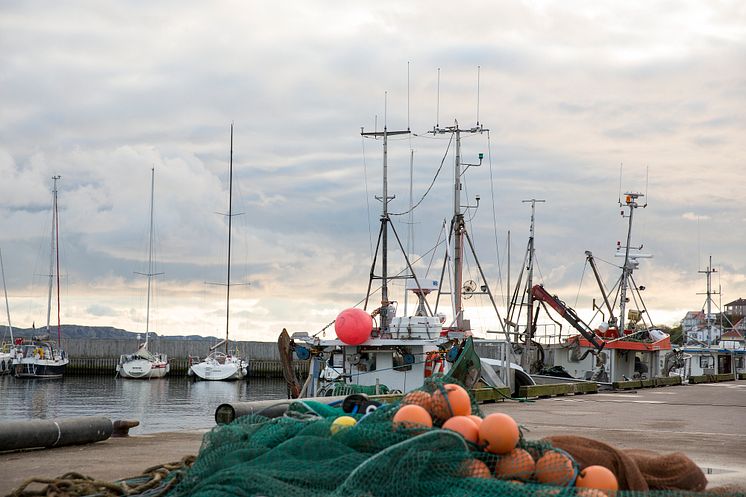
(308, 452)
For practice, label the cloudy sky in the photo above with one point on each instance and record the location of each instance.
(100, 92)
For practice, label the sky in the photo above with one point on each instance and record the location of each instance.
(582, 100)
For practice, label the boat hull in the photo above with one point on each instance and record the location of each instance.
(142, 368)
(213, 371)
(40, 369)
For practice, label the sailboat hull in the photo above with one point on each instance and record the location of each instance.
(142, 368)
(40, 369)
(215, 371)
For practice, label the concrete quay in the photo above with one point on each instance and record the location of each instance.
(704, 421)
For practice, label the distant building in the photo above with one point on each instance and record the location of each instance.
(737, 307)
(734, 339)
(692, 321)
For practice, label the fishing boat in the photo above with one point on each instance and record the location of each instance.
(41, 357)
(227, 364)
(143, 363)
(625, 345)
(377, 351)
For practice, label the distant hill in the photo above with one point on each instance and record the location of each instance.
(91, 332)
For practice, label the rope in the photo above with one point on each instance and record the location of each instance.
(154, 482)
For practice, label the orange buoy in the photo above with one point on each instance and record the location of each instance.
(554, 468)
(599, 477)
(515, 464)
(477, 420)
(455, 401)
(500, 432)
(418, 398)
(474, 468)
(464, 426)
(412, 416)
(353, 326)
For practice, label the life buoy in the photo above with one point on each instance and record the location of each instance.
(433, 364)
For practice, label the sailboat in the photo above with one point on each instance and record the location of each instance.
(41, 357)
(143, 363)
(7, 350)
(219, 365)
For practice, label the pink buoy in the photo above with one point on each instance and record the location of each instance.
(353, 326)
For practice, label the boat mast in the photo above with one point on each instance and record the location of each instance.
(5, 291)
(52, 250)
(530, 325)
(230, 219)
(709, 294)
(385, 221)
(630, 202)
(150, 274)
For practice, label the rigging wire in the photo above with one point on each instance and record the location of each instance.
(367, 198)
(440, 168)
(580, 285)
(494, 215)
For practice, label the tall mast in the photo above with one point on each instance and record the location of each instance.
(385, 221)
(230, 219)
(150, 274)
(530, 325)
(458, 225)
(5, 291)
(52, 250)
(709, 319)
(631, 203)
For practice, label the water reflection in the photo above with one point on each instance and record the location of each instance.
(164, 404)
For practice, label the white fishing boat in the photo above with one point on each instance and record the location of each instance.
(227, 364)
(143, 363)
(41, 357)
(398, 353)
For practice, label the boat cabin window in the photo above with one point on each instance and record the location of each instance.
(706, 362)
(337, 360)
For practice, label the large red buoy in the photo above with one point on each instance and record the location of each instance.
(353, 326)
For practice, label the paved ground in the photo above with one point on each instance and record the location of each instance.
(707, 422)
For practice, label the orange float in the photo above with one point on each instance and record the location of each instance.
(477, 420)
(418, 398)
(474, 468)
(412, 416)
(464, 426)
(450, 400)
(515, 464)
(599, 477)
(500, 432)
(555, 468)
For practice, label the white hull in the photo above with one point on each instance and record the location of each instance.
(221, 368)
(143, 368)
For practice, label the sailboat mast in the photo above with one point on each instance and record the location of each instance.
(57, 254)
(5, 291)
(708, 318)
(150, 255)
(230, 220)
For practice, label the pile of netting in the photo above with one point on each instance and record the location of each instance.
(415, 448)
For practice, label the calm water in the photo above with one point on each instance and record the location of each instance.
(166, 404)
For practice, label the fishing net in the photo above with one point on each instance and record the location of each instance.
(320, 450)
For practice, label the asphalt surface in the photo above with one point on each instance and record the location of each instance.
(707, 422)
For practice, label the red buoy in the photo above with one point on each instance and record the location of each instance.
(353, 326)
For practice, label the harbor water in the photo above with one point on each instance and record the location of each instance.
(165, 404)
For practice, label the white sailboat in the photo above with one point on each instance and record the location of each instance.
(220, 365)
(143, 363)
(41, 357)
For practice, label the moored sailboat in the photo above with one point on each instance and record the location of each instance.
(41, 357)
(143, 363)
(219, 365)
